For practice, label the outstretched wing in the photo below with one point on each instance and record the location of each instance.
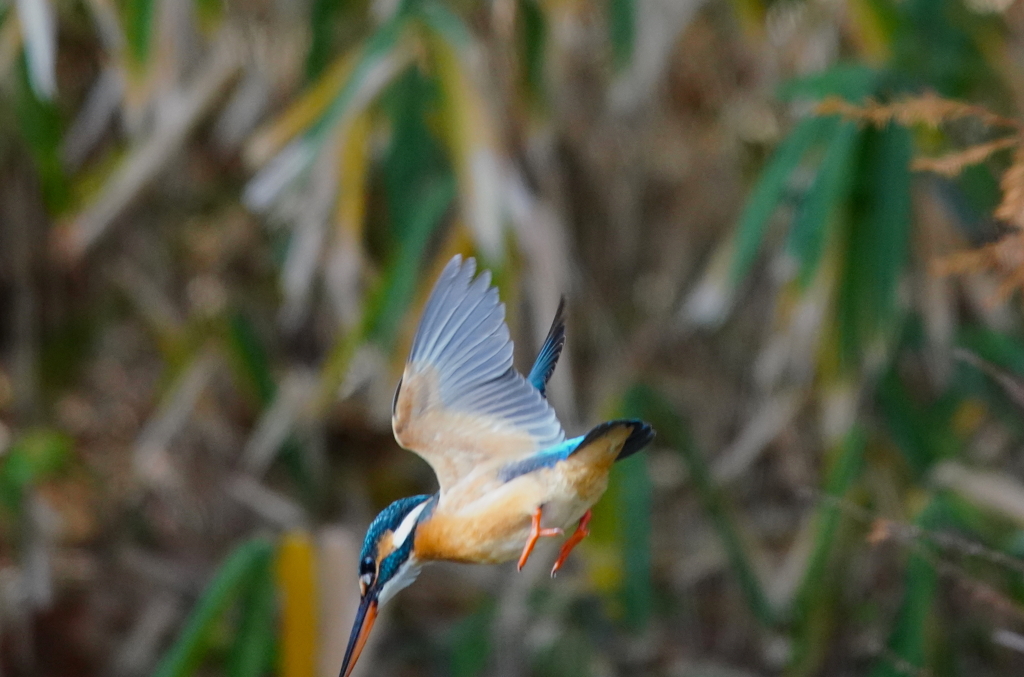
(461, 404)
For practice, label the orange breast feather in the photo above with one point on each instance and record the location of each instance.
(489, 522)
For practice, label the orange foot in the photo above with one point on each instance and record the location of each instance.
(535, 533)
(570, 543)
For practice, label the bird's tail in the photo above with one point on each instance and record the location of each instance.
(638, 436)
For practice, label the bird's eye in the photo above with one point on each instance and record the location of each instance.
(367, 566)
(367, 572)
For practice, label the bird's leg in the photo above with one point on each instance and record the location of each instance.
(570, 543)
(535, 533)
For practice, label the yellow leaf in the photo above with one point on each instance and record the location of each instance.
(469, 129)
(354, 155)
(869, 32)
(271, 138)
(751, 14)
(345, 262)
(296, 581)
(969, 416)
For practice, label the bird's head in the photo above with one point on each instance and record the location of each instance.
(386, 565)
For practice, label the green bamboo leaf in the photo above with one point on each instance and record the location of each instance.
(321, 25)
(977, 196)
(390, 299)
(330, 22)
(769, 190)
(415, 155)
(845, 472)
(634, 508)
(673, 431)
(41, 129)
(1002, 350)
(446, 24)
(922, 434)
(388, 306)
(621, 30)
(380, 59)
(909, 639)
(369, 75)
(982, 526)
(250, 359)
(815, 601)
(471, 641)
(532, 40)
(849, 81)
(998, 379)
(252, 651)
(137, 19)
(571, 655)
(33, 457)
(829, 191)
(418, 186)
(236, 572)
(942, 43)
(877, 242)
(468, 129)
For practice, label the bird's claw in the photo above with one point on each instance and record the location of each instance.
(535, 533)
(581, 532)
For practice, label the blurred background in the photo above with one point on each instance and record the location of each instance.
(790, 234)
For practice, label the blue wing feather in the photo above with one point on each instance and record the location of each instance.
(542, 459)
(547, 358)
(640, 436)
(463, 336)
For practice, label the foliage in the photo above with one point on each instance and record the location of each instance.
(218, 224)
(850, 238)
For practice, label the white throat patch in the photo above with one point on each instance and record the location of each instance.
(407, 573)
(405, 528)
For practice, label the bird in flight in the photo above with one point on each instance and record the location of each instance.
(507, 474)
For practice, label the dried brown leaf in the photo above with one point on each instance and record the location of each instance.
(952, 164)
(1011, 209)
(881, 531)
(927, 109)
(144, 164)
(1005, 258)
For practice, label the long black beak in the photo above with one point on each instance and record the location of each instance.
(365, 618)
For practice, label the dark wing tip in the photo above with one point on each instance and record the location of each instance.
(550, 351)
(642, 435)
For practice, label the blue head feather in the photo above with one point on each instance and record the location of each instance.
(389, 519)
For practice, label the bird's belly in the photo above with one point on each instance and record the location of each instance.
(494, 528)
(505, 542)
(508, 545)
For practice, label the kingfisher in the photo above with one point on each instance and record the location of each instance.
(507, 475)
